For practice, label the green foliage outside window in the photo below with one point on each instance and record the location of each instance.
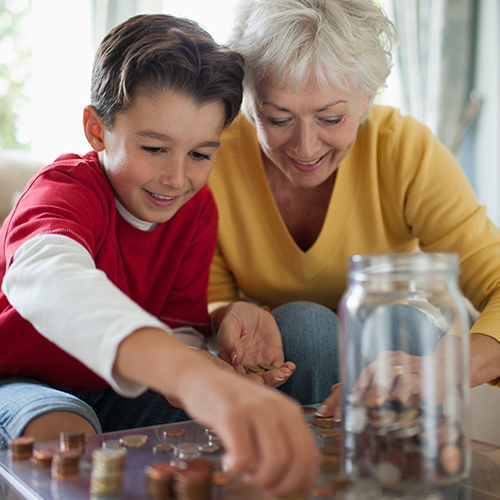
(15, 73)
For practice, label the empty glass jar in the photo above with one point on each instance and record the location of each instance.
(404, 371)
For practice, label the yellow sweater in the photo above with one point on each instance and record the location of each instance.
(398, 188)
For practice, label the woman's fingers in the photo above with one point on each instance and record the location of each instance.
(331, 405)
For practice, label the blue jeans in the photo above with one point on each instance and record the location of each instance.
(22, 400)
(309, 332)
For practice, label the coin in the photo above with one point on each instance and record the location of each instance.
(72, 439)
(209, 448)
(266, 367)
(309, 409)
(341, 484)
(21, 448)
(43, 457)
(328, 463)
(255, 369)
(174, 432)
(325, 424)
(221, 478)
(162, 448)
(187, 450)
(322, 491)
(328, 432)
(65, 464)
(134, 440)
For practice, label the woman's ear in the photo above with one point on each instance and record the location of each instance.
(93, 128)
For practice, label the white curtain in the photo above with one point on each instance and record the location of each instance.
(65, 36)
(436, 59)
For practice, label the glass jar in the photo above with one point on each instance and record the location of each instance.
(404, 361)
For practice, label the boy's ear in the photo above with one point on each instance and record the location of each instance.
(93, 128)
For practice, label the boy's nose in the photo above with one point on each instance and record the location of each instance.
(174, 175)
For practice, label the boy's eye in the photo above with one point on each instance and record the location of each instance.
(152, 150)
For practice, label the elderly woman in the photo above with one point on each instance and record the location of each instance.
(314, 172)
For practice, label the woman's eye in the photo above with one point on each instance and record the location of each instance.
(278, 123)
(200, 156)
(332, 121)
(152, 150)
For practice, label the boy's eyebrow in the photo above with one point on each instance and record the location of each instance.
(166, 138)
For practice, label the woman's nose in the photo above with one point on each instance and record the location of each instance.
(306, 141)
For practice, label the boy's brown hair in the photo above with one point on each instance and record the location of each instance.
(162, 52)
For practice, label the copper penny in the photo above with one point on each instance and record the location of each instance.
(341, 484)
(328, 463)
(221, 478)
(325, 424)
(322, 491)
(309, 409)
(328, 433)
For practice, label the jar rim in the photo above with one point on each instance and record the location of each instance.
(403, 265)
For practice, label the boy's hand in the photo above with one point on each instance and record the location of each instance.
(249, 336)
(264, 433)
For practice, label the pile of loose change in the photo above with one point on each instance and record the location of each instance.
(260, 368)
(395, 444)
(329, 429)
(184, 480)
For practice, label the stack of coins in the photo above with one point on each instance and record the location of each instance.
(159, 480)
(21, 448)
(108, 465)
(396, 444)
(193, 484)
(72, 440)
(65, 464)
(43, 457)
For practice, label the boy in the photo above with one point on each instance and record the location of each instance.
(103, 251)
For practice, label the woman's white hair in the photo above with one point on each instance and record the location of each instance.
(347, 43)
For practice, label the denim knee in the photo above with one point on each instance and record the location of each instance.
(22, 400)
(309, 334)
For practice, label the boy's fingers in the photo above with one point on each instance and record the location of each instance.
(288, 466)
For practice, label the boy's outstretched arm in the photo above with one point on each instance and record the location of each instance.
(264, 433)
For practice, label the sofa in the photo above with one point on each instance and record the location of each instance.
(16, 169)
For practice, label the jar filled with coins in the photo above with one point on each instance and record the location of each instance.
(404, 371)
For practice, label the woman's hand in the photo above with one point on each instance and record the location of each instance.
(249, 336)
(411, 380)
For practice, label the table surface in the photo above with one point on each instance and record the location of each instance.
(22, 480)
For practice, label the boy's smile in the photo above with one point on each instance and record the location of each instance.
(160, 152)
